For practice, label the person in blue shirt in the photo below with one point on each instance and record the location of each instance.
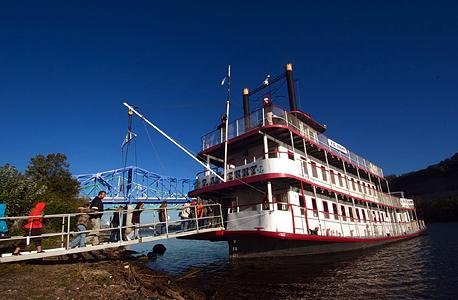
(3, 225)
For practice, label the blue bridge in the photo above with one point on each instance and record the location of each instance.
(132, 184)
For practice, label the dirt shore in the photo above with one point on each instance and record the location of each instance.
(106, 276)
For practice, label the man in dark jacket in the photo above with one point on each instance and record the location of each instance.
(114, 237)
(97, 206)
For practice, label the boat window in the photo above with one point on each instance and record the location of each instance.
(364, 215)
(357, 215)
(314, 207)
(314, 170)
(364, 188)
(334, 210)
(333, 177)
(350, 213)
(340, 179)
(273, 151)
(326, 209)
(290, 155)
(369, 187)
(304, 166)
(323, 173)
(353, 184)
(282, 200)
(302, 204)
(343, 212)
(359, 187)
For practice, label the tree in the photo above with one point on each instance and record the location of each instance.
(52, 171)
(17, 191)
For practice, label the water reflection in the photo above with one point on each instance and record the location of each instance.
(422, 268)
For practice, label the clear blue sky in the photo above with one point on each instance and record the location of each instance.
(383, 75)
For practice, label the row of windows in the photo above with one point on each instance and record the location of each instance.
(361, 214)
(355, 185)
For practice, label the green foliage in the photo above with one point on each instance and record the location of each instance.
(437, 209)
(47, 179)
(17, 191)
(52, 171)
(434, 189)
(62, 189)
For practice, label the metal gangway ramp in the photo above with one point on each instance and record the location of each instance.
(150, 229)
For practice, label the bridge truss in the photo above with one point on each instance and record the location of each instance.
(132, 184)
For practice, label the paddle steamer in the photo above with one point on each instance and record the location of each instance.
(288, 189)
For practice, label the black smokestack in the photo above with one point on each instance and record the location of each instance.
(246, 107)
(291, 90)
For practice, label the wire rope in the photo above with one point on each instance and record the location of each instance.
(156, 153)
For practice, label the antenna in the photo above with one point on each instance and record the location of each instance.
(227, 119)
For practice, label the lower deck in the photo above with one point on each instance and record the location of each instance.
(302, 221)
(324, 218)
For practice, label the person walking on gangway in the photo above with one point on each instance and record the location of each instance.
(162, 217)
(184, 215)
(81, 227)
(33, 226)
(135, 234)
(97, 206)
(115, 221)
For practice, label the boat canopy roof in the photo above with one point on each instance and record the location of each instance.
(307, 119)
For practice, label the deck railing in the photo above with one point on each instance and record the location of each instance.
(279, 116)
(326, 222)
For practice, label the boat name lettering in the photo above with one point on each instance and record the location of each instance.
(248, 171)
(337, 146)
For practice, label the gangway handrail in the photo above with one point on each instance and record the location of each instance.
(174, 227)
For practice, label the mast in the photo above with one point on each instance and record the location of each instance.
(227, 119)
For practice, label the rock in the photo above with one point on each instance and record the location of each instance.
(152, 255)
(159, 249)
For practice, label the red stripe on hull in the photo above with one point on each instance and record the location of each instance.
(266, 243)
(309, 237)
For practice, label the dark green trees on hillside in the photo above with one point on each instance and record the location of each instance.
(434, 189)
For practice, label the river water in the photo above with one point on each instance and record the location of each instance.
(425, 267)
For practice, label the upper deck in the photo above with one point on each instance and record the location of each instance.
(279, 116)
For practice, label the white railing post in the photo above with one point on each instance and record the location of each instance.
(166, 222)
(63, 230)
(195, 213)
(120, 216)
(221, 215)
(68, 231)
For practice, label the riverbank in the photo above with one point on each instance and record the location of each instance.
(105, 276)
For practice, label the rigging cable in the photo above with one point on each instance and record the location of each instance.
(156, 153)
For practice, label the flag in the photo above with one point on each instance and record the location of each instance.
(228, 75)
